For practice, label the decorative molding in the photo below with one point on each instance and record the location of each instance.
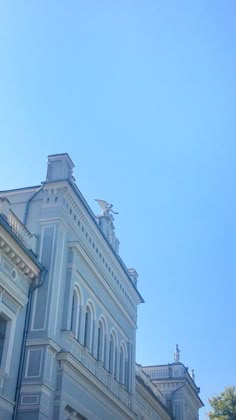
(28, 239)
(79, 249)
(77, 370)
(72, 203)
(17, 255)
(10, 336)
(30, 399)
(151, 402)
(10, 303)
(102, 306)
(29, 355)
(51, 344)
(13, 290)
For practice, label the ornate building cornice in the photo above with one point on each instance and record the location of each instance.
(12, 247)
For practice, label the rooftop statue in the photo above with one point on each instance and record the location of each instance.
(176, 354)
(106, 208)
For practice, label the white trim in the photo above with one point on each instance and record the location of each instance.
(101, 305)
(36, 292)
(77, 311)
(58, 284)
(48, 364)
(30, 396)
(74, 202)
(95, 231)
(89, 307)
(77, 288)
(101, 346)
(8, 345)
(11, 249)
(110, 291)
(41, 388)
(73, 364)
(44, 342)
(39, 349)
(13, 290)
(49, 273)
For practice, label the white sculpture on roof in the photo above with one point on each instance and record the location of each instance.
(176, 354)
(106, 207)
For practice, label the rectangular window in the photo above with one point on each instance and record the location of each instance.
(34, 363)
(3, 327)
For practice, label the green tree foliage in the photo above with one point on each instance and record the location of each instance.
(224, 405)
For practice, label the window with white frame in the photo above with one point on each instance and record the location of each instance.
(122, 366)
(3, 330)
(7, 330)
(126, 374)
(100, 346)
(88, 328)
(112, 355)
(75, 315)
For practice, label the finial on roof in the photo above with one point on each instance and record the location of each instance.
(176, 354)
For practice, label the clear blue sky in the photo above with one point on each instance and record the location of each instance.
(142, 95)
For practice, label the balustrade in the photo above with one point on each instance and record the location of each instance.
(29, 240)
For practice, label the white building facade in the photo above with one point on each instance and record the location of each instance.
(20, 273)
(178, 388)
(78, 358)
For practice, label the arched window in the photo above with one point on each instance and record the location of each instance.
(122, 366)
(3, 329)
(75, 314)
(88, 329)
(112, 355)
(101, 339)
(126, 372)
